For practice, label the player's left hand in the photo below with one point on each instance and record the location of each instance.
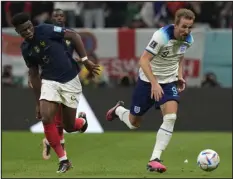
(92, 67)
(181, 85)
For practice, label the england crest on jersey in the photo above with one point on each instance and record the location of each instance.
(137, 109)
(183, 48)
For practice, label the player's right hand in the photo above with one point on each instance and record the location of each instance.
(156, 91)
(30, 84)
(181, 85)
(38, 115)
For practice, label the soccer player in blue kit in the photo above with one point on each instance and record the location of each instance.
(58, 18)
(43, 47)
(160, 82)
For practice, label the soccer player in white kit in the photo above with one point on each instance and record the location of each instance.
(160, 82)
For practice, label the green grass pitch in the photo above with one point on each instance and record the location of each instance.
(112, 155)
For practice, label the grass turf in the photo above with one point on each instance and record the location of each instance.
(122, 155)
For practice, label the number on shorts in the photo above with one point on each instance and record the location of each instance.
(174, 90)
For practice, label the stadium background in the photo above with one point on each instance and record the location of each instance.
(115, 40)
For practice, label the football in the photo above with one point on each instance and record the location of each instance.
(208, 160)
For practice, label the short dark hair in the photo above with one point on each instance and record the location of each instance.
(20, 18)
(185, 13)
(58, 9)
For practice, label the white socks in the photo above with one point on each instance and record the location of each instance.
(123, 114)
(61, 141)
(164, 135)
(63, 158)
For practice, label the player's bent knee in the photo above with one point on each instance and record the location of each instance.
(135, 121)
(135, 124)
(46, 120)
(169, 122)
(169, 119)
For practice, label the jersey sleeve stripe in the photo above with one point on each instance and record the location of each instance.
(150, 52)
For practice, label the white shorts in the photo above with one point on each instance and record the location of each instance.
(65, 93)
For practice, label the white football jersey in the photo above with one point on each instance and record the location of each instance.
(167, 52)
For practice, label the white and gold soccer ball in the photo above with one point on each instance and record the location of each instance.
(208, 160)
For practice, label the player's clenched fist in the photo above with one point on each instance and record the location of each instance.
(156, 91)
(38, 115)
(92, 67)
(181, 85)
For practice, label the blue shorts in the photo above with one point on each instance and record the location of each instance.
(141, 99)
